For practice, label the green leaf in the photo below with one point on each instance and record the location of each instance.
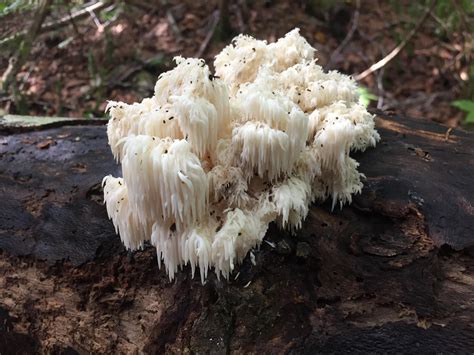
(467, 106)
(365, 96)
(10, 6)
(470, 117)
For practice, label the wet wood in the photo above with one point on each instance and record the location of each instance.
(20, 123)
(390, 273)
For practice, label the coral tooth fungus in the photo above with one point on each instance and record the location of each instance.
(209, 161)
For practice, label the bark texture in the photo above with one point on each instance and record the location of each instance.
(393, 272)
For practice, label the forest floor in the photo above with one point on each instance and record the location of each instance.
(117, 53)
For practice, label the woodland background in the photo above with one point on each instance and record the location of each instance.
(66, 58)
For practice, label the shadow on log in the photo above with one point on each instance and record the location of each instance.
(390, 273)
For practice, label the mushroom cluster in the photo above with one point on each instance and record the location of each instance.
(210, 161)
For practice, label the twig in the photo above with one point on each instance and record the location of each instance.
(381, 89)
(205, 43)
(442, 24)
(448, 132)
(25, 79)
(174, 25)
(114, 17)
(240, 17)
(50, 26)
(461, 14)
(150, 7)
(381, 63)
(121, 77)
(99, 25)
(76, 29)
(350, 34)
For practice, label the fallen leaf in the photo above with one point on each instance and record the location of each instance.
(79, 168)
(423, 323)
(320, 37)
(28, 141)
(45, 144)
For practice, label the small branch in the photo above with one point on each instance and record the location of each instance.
(240, 18)
(76, 29)
(123, 76)
(96, 20)
(461, 14)
(205, 43)
(381, 63)
(350, 34)
(150, 7)
(174, 25)
(380, 88)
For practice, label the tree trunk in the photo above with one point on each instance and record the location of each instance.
(390, 273)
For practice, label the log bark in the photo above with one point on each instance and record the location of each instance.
(390, 273)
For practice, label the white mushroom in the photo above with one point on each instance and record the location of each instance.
(208, 163)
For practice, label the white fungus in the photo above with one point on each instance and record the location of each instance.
(209, 161)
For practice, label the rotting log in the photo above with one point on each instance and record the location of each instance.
(393, 272)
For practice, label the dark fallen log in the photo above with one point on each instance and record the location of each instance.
(390, 273)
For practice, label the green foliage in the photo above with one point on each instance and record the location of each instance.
(9, 6)
(450, 16)
(365, 96)
(469, 92)
(113, 12)
(453, 15)
(467, 104)
(89, 113)
(468, 107)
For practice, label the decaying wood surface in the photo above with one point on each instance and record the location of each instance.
(393, 272)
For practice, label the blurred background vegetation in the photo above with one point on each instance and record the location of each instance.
(66, 58)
